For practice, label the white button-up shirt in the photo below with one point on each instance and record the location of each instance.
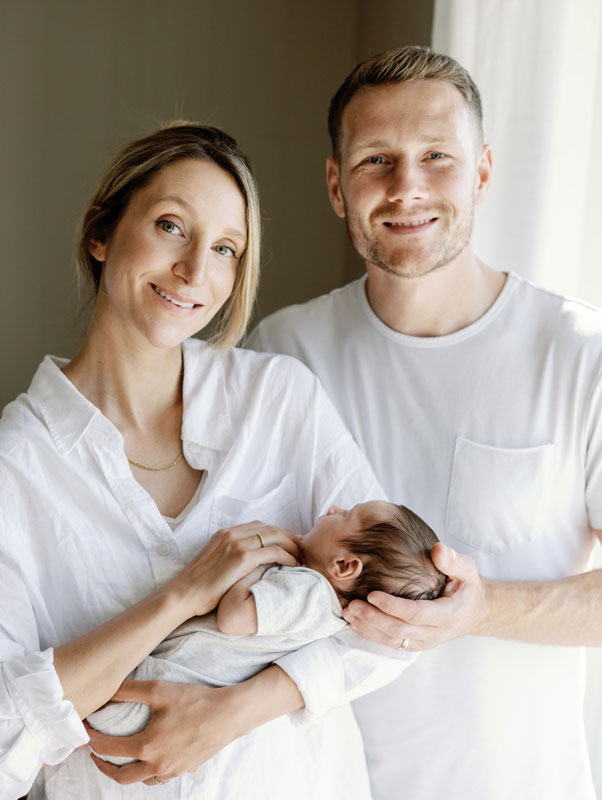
(81, 540)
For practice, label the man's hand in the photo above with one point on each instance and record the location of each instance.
(423, 624)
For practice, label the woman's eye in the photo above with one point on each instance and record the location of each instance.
(169, 227)
(436, 156)
(225, 250)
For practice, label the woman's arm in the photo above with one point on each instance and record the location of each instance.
(190, 723)
(92, 667)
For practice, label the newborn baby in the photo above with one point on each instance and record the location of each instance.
(273, 610)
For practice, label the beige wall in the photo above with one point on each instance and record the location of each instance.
(80, 77)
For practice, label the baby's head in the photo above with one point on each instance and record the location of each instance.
(375, 545)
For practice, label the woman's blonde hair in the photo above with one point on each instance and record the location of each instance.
(135, 165)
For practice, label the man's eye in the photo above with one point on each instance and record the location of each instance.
(224, 250)
(435, 156)
(376, 160)
(169, 227)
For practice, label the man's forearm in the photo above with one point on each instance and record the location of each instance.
(563, 612)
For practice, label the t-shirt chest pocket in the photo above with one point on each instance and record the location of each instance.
(499, 498)
(276, 507)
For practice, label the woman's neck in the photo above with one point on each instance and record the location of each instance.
(133, 383)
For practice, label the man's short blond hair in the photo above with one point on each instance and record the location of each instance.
(404, 64)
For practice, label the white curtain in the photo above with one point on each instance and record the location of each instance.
(538, 64)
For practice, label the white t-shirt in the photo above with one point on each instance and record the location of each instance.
(81, 540)
(294, 605)
(493, 435)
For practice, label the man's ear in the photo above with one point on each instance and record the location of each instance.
(97, 246)
(345, 567)
(333, 181)
(483, 176)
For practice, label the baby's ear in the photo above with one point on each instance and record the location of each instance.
(345, 567)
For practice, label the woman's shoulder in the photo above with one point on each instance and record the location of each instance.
(241, 367)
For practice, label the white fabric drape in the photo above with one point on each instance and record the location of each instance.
(538, 65)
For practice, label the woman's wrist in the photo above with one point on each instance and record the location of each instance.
(267, 695)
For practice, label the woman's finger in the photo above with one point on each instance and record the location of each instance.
(125, 746)
(129, 773)
(274, 554)
(268, 536)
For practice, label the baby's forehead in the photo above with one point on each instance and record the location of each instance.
(374, 512)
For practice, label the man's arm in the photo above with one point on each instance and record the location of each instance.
(237, 612)
(561, 612)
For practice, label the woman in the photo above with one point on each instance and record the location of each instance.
(118, 466)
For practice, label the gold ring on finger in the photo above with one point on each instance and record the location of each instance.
(261, 542)
(404, 644)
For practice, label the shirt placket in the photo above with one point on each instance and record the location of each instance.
(140, 509)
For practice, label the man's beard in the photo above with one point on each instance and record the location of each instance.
(408, 259)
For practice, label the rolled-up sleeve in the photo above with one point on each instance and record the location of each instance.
(338, 669)
(37, 725)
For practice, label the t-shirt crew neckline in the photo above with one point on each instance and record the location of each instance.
(492, 312)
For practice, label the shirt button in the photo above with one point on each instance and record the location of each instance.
(164, 549)
(194, 448)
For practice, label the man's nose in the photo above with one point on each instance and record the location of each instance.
(405, 182)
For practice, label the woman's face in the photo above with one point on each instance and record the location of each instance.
(170, 263)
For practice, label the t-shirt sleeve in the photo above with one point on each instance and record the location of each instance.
(593, 456)
(296, 603)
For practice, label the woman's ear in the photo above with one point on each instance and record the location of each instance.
(346, 567)
(97, 246)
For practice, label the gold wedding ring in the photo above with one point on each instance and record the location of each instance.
(261, 542)
(404, 644)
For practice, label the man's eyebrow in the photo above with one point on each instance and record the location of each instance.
(370, 144)
(174, 198)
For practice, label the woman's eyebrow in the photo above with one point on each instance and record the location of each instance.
(174, 198)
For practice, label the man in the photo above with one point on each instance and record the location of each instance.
(477, 398)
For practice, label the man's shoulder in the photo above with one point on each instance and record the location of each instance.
(567, 317)
(311, 319)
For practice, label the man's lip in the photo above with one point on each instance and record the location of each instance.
(408, 222)
(409, 225)
(180, 298)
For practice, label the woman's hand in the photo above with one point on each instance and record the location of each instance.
(229, 555)
(190, 723)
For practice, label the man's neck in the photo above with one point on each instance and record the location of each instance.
(437, 304)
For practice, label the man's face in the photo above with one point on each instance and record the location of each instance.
(409, 173)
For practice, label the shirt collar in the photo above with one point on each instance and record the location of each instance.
(68, 414)
(207, 420)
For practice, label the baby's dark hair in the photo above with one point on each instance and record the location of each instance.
(396, 558)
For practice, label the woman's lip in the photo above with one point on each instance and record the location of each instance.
(188, 302)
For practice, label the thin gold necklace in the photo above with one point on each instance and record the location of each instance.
(158, 469)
